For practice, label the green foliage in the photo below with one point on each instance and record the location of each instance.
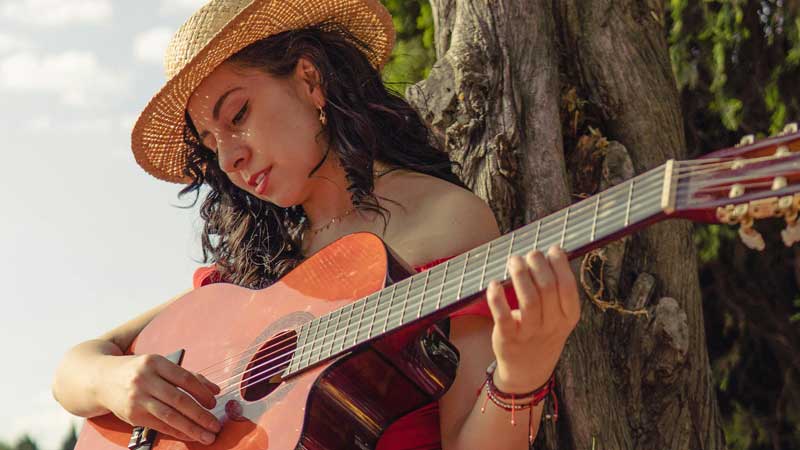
(414, 52)
(742, 56)
(796, 316)
(708, 239)
(26, 443)
(744, 431)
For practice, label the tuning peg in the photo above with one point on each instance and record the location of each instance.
(751, 238)
(782, 151)
(789, 129)
(791, 234)
(746, 140)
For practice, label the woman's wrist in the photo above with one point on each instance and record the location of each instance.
(517, 384)
(521, 399)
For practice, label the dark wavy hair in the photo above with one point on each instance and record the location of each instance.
(253, 242)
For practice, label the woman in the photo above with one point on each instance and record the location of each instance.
(279, 108)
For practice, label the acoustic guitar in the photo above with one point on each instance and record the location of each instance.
(329, 355)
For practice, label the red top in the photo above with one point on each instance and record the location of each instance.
(417, 430)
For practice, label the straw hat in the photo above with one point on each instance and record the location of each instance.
(216, 32)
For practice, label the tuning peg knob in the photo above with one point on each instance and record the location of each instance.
(791, 234)
(751, 238)
(789, 128)
(746, 140)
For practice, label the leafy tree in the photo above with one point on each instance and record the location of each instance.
(413, 53)
(26, 443)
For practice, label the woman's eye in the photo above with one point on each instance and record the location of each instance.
(238, 118)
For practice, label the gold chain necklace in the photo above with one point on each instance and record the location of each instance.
(315, 231)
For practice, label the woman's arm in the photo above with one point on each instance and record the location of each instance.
(95, 378)
(526, 342)
(462, 423)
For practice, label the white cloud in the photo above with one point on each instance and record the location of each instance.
(9, 43)
(150, 46)
(76, 77)
(82, 126)
(56, 12)
(180, 6)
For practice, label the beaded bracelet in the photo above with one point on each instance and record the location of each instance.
(533, 398)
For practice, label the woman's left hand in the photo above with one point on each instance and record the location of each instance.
(528, 341)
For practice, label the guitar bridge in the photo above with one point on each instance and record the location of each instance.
(142, 438)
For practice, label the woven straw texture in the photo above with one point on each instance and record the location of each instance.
(217, 31)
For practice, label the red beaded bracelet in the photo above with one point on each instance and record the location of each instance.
(533, 398)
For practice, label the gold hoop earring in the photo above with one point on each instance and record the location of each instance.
(322, 118)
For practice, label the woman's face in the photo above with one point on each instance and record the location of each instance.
(264, 130)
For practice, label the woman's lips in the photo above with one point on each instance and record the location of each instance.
(262, 181)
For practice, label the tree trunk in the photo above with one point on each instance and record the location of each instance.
(514, 88)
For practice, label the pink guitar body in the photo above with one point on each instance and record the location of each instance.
(344, 402)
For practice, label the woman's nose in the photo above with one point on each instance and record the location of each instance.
(233, 155)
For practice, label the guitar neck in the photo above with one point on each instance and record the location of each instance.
(577, 229)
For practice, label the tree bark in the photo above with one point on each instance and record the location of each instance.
(496, 98)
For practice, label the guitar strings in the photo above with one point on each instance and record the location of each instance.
(250, 381)
(683, 166)
(601, 221)
(609, 195)
(388, 318)
(382, 314)
(268, 354)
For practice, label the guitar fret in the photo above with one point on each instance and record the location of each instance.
(336, 330)
(594, 219)
(407, 296)
(483, 269)
(463, 273)
(441, 286)
(564, 230)
(628, 207)
(510, 249)
(359, 321)
(422, 299)
(298, 350)
(329, 337)
(346, 325)
(316, 356)
(389, 309)
(374, 315)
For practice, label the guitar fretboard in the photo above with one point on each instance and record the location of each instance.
(573, 228)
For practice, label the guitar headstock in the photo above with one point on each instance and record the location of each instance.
(737, 186)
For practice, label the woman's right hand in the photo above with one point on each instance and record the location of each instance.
(143, 390)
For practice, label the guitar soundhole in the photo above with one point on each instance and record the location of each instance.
(264, 373)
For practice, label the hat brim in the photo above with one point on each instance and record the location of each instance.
(157, 137)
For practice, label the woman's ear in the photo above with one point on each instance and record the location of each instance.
(310, 81)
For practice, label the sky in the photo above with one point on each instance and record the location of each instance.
(88, 238)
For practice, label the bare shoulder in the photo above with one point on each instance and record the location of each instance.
(439, 219)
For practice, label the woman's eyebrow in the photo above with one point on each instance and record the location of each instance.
(221, 100)
(218, 106)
